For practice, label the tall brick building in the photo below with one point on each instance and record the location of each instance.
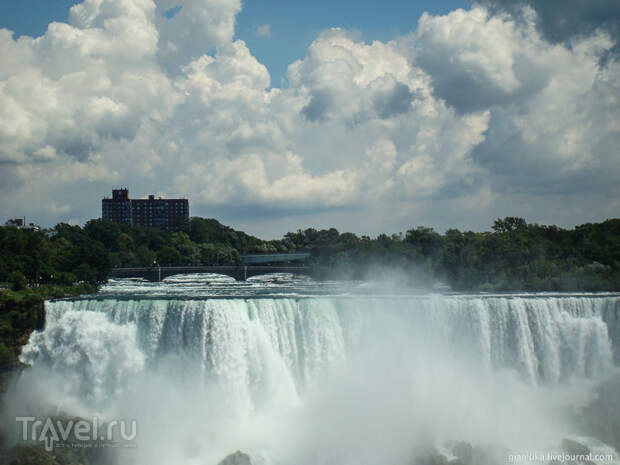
(154, 213)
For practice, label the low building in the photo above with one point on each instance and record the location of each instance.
(151, 212)
(20, 223)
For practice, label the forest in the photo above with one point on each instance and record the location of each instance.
(513, 256)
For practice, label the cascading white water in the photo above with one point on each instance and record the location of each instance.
(544, 339)
(281, 376)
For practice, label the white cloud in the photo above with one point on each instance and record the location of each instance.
(198, 27)
(553, 110)
(446, 125)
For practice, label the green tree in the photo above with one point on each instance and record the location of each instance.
(17, 280)
(105, 231)
(168, 255)
(508, 224)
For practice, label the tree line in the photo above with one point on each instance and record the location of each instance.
(513, 256)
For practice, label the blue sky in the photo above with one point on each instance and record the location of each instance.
(31, 17)
(394, 120)
(293, 24)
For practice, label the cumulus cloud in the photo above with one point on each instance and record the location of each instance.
(394, 101)
(79, 85)
(196, 28)
(448, 125)
(562, 21)
(475, 60)
(553, 109)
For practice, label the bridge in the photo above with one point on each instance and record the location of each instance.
(240, 273)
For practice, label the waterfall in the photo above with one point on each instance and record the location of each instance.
(434, 362)
(244, 342)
